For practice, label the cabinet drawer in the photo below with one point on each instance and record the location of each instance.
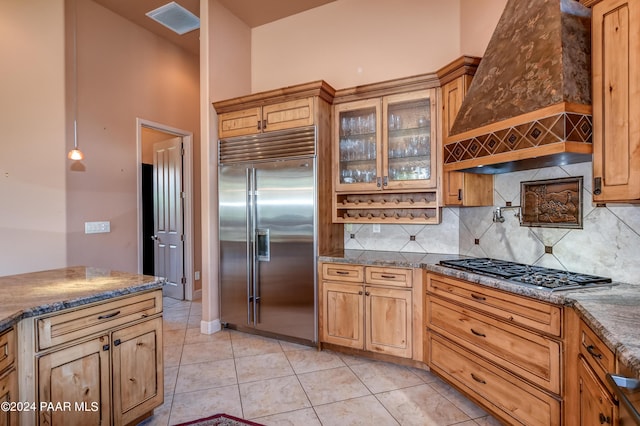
(388, 276)
(514, 400)
(596, 353)
(343, 272)
(515, 309)
(7, 349)
(529, 355)
(62, 328)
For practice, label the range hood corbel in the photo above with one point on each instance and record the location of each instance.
(529, 104)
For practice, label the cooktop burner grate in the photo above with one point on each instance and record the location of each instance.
(538, 276)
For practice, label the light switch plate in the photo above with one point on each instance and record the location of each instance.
(97, 227)
(376, 228)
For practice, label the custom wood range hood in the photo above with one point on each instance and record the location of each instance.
(529, 104)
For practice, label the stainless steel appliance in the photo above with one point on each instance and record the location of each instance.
(535, 276)
(267, 227)
(627, 391)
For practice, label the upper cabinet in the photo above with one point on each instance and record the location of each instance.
(616, 100)
(279, 109)
(386, 143)
(458, 188)
(385, 152)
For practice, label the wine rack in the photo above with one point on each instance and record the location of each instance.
(387, 207)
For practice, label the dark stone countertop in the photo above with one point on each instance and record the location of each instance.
(31, 294)
(612, 312)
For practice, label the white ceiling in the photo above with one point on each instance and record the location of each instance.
(252, 12)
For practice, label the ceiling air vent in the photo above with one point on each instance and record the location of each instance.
(175, 17)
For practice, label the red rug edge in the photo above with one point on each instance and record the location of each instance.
(216, 416)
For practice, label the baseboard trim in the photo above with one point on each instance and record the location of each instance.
(210, 327)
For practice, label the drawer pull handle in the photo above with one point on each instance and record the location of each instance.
(593, 353)
(105, 347)
(475, 296)
(478, 334)
(116, 342)
(477, 379)
(107, 316)
(390, 277)
(342, 272)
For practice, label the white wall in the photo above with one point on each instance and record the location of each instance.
(124, 72)
(32, 143)
(353, 42)
(478, 19)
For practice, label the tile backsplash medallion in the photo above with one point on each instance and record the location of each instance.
(608, 244)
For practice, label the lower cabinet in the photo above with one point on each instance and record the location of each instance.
(8, 377)
(513, 400)
(78, 375)
(112, 374)
(502, 350)
(375, 318)
(596, 404)
(590, 399)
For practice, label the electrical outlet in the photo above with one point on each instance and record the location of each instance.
(97, 227)
(376, 228)
(348, 227)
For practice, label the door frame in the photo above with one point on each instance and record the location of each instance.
(187, 181)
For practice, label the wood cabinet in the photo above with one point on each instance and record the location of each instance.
(101, 363)
(280, 109)
(267, 118)
(76, 374)
(502, 350)
(589, 397)
(8, 376)
(616, 100)
(385, 152)
(459, 188)
(370, 308)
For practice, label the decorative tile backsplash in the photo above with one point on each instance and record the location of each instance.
(607, 245)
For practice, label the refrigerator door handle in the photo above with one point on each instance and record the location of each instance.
(249, 232)
(253, 191)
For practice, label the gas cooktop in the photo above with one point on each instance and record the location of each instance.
(519, 273)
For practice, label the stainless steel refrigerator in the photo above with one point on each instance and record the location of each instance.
(267, 194)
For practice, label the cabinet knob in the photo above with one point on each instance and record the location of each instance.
(116, 342)
(604, 419)
(366, 293)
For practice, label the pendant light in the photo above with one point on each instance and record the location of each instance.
(75, 154)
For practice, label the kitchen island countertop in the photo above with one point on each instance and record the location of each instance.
(612, 312)
(31, 294)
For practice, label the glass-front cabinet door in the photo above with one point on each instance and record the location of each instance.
(385, 143)
(409, 157)
(357, 146)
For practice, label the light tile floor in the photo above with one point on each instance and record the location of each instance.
(275, 382)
